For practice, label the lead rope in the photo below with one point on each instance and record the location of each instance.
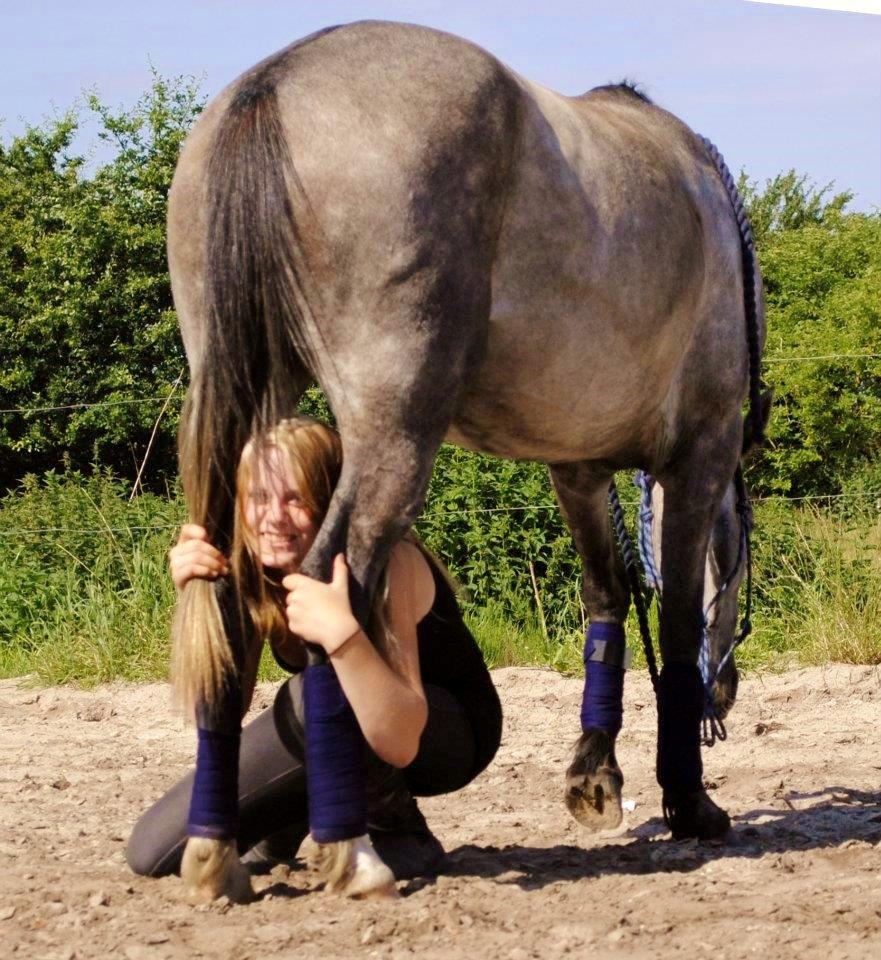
(746, 523)
(748, 262)
(625, 545)
(712, 726)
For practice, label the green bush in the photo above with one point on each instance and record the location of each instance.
(85, 303)
(822, 273)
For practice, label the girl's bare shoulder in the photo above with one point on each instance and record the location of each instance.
(411, 576)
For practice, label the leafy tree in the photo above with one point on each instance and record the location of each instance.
(822, 273)
(85, 304)
(789, 202)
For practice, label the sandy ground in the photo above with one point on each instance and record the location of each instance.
(799, 877)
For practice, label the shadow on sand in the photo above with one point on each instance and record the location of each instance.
(811, 821)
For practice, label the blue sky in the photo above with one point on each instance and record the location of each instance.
(773, 86)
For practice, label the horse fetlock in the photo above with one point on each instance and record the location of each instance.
(594, 782)
(211, 869)
(354, 869)
(694, 816)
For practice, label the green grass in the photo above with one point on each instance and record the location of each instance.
(506, 643)
(89, 605)
(85, 596)
(818, 577)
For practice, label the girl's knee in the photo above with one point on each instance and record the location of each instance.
(145, 859)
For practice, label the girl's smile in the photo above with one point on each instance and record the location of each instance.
(276, 515)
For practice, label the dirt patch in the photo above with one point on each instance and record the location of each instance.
(799, 877)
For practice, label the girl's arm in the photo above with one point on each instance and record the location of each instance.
(390, 707)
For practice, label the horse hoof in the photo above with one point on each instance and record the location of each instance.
(594, 781)
(354, 869)
(694, 815)
(211, 869)
(371, 878)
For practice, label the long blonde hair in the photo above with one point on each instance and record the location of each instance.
(315, 455)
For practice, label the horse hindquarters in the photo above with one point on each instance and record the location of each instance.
(358, 251)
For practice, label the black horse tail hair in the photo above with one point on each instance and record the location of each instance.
(757, 409)
(255, 361)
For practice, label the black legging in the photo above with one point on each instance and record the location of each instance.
(272, 778)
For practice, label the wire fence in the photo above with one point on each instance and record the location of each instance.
(127, 402)
(175, 395)
(863, 495)
(134, 401)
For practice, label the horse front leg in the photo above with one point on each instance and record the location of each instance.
(379, 495)
(594, 780)
(693, 492)
(210, 867)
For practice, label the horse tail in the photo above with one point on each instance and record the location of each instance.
(757, 409)
(252, 370)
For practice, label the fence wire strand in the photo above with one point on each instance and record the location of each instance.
(167, 398)
(132, 401)
(86, 406)
(84, 531)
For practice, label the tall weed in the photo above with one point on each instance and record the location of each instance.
(817, 578)
(85, 594)
(84, 591)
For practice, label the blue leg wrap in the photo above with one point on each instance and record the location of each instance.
(681, 699)
(602, 705)
(336, 776)
(214, 806)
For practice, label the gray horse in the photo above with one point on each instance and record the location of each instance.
(453, 251)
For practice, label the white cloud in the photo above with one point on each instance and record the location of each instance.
(844, 6)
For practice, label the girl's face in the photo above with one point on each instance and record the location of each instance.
(282, 529)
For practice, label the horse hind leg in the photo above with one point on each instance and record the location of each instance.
(594, 780)
(210, 866)
(693, 491)
(386, 469)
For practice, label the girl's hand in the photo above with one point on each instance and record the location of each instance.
(319, 612)
(195, 556)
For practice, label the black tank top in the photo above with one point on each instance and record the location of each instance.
(450, 658)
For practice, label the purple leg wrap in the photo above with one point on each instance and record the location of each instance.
(681, 700)
(602, 705)
(214, 807)
(336, 775)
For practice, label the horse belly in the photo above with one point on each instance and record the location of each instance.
(595, 285)
(554, 400)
